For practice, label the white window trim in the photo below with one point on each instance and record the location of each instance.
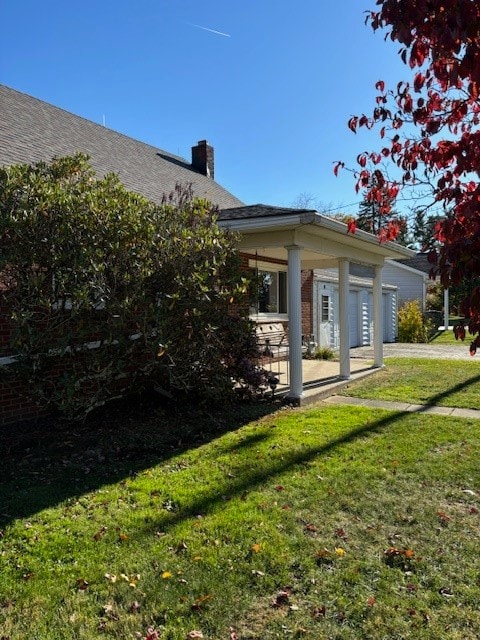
(261, 265)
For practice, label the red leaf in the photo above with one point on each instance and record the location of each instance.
(352, 124)
(362, 159)
(380, 86)
(351, 225)
(337, 166)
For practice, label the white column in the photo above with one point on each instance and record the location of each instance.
(446, 310)
(295, 322)
(377, 318)
(344, 289)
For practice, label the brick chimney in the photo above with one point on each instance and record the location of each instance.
(202, 158)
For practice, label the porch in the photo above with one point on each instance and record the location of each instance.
(302, 241)
(321, 378)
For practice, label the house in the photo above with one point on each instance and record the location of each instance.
(410, 276)
(360, 300)
(287, 246)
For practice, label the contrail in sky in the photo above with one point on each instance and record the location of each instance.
(219, 33)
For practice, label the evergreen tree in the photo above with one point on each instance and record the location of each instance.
(375, 211)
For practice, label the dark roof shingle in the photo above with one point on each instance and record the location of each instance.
(259, 211)
(33, 130)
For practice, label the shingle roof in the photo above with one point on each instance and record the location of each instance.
(33, 130)
(419, 262)
(258, 211)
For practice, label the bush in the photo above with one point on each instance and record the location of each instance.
(324, 353)
(109, 293)
(413, 326)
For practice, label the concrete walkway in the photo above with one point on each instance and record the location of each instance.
(404, 406)
(322, 382)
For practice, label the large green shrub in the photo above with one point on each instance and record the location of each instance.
(413, 326)
(108, 293)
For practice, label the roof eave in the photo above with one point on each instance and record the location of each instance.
(316, 220)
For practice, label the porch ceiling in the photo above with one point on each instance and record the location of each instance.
(268, 231)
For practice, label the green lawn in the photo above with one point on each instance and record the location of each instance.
(332, 522)
(448, 337)
(447, 383)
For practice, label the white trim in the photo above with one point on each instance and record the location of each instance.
(314, 220)
(94, 344)
(268, 317)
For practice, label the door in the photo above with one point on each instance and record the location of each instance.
(324, 316)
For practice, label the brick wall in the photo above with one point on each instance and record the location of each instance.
(307, 302)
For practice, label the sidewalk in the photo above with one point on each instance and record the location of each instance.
(404, 406)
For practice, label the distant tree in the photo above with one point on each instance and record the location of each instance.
(305, 200)
(423, 230)
(340, 217)
(376, 209)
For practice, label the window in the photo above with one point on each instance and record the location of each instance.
(325, 308)
(272, 292)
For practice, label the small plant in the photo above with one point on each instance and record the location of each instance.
(324, 353)
(413, 326)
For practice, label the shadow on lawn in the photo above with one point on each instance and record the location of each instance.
(253, 478)
(45, 464)
(449, 392)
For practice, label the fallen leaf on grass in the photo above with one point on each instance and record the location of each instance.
(200, 603)
(191, 635)
(100, 533)
(442, 516)
(282, 598)
(341, 533)
(256, 548)
(82, 584)
(111, 577)
(399, 558)
(323, 556)
(166, 575)
(109, 611)
(371, 601)
(132, 580)
(319, 612)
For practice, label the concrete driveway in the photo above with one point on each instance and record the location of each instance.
(458, 351)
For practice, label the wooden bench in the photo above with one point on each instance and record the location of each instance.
(272, 340)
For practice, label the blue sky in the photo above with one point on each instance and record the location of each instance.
(273, 96)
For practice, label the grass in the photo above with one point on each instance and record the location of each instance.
(332, 522)
(444, 383)
(447, 337)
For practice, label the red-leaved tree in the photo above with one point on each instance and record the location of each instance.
(429, 129)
